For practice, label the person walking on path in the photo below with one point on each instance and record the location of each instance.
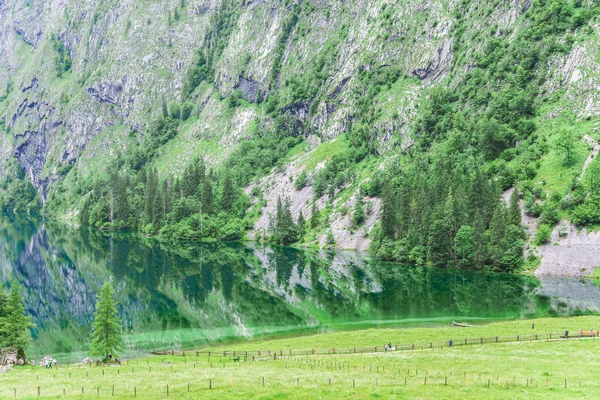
(450, 343)
(533, 325)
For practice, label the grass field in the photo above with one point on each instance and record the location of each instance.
(512, 370)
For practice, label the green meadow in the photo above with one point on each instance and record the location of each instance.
(509, 369)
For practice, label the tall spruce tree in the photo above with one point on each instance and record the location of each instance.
(388, 213)
(358, 215)
(314, 215)
(150, 196)
(106, 333)
(3, 318)
(228, 194)
(464, 246)
(15, 324)
(207, 197)
(514, 210)
(497, 232)
(283, 229)
(3, 301)
(301, 224)
(158, 203)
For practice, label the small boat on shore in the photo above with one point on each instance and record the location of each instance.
(461, 325)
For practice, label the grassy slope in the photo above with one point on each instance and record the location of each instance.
(391, 375)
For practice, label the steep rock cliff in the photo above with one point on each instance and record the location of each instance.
(80, 81)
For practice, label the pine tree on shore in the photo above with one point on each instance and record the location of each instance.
(106, 334)
(14, 324)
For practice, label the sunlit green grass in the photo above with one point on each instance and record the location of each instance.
(378, 337)
(557, 175)
(531, 370)
(326, 151)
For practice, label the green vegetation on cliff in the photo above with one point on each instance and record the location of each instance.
(430, 111)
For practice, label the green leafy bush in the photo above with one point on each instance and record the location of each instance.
(542, 236)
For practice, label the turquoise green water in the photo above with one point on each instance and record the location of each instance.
(197, 294)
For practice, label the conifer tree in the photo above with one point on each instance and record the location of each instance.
(3, 301)
(150, 196)
(15, 324)
(289, 228)
(167, 206)
(106, 334)
(207, 197)
(330, 239)
(358, 215)
(122, 208)
(439, 243)
(282, 226)
(301, 225)
(512, 258)
(388, 218)
(84, 214)
(514, 210)
(228, 194)
(314, 216)
(464, 245)
(497, 231)
(165, 110)
(159, 208)
(480, 241)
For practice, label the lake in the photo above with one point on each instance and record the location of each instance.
(188, 296)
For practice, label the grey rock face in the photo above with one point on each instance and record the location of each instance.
(249, 87)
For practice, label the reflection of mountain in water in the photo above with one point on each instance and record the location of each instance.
(571, 294)
(189, 295)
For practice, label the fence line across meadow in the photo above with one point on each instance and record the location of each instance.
(372, 349)
(111, 388)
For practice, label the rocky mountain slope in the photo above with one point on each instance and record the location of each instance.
(81, 82)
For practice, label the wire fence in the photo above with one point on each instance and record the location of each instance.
(179, 388)
(291, 371)
(375, 349)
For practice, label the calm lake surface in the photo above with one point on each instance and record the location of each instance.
(194, 295)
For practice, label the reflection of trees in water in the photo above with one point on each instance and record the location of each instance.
(165, 286)
(20, 235)
(428, 292)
